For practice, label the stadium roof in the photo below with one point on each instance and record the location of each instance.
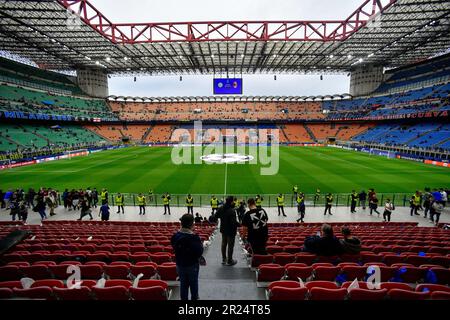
(71, 34)
(230, 98)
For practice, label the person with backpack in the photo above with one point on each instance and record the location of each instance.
(188, 250)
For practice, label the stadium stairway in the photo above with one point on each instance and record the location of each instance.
(311, 134)
(218, 282)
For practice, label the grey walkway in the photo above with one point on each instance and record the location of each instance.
(218, 282)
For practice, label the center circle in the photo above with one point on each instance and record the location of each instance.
(226, 158)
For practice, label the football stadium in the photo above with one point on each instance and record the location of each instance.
(114, 188)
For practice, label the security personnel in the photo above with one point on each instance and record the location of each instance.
(214, 204)
(236, 202)
(354, 198)
(166, 201)
(280, 204)
(190, 204)
(104, 196)
(141, 203)
(295, 191)
(415, 203)
(258, 201)
(317, 196)
(150, 195)
(301, 206)
(119, 203)
(329, 204)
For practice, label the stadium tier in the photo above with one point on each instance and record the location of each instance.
(14, 137)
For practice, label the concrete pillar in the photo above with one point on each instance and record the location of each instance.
(93, 82)
(365, 79)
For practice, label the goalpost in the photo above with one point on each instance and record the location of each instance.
(76, 153)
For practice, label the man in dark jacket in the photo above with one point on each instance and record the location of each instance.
(188, 250)
(350, 244)
(257, 232)
(323, 245)
(228, 227)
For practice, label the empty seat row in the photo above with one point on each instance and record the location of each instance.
(324, 290)
(158, 257)
(90, 270)
(88, 290)
(414, 259)
(349, 271)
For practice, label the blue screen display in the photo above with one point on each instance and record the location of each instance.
(228, 86)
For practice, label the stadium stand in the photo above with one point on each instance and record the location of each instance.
(23, 137)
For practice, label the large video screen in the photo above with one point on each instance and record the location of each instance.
(228, 86)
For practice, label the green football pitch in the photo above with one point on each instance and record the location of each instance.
(138, 169)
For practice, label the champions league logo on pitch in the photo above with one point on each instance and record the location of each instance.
(228, 146)
(226, 158)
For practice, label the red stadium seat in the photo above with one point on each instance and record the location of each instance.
(270, 272)
(283, 258)
(37, 272)
(168, 271)
(442, 275)
(19, 264)
(51, 283)
(326, 273)
(6, 293)
(274, 249)
(11, 284)
(321, 284)
(91, 271)
(287, 294)
(155, 293)
(111, 293)
(354, 272)
(305, 258)
(118, 282)
(116, 271)
(160, 258)
(295, 272)
(366, 294)
(327, 294)
(399, 294)
(412, 274)
(431, 287)
(147, 271)
(257, 260)
(81, 294)
(42, 293)
(10, 273)
(395, 285)
(441, 260)
(440, 295)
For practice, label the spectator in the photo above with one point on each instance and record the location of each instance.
(373, 204)
(40, 207)
(228, 228)
(427, 198)
(443, 196)
(350, 244)
(85, 209)
(188, 250)
(14, 210)
(326, 245)
(388, 208)
(362, 199)
(212, 219)
(2, 200)
(198, 218)
(257, 231)
(7, 198)
(23, 212)
(104, 212)
(436, 209)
